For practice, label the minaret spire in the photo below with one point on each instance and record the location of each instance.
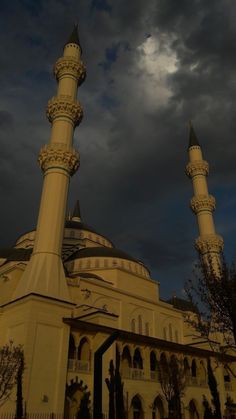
(74, 37)
(209, 244)
(58, 160)
(76, 216)
(192, 136)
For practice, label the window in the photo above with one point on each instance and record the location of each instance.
(140, 324)
(133, 325)
(137, 360)
(170, 333)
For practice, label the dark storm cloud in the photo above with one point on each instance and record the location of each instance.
(151, 66)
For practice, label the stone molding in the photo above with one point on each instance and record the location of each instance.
(69, 66)
(198, 167)
(56, 155)
(203, 202)
(207, 244)
(63, 106)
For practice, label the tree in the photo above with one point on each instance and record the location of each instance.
(11, 357)
(115, 388)
(214, 392)
(173, 381)
(19, 397)
(213, 297)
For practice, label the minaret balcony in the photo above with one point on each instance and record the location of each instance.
(64, 107)
(198, 167)
(203, 203)
(69, 66)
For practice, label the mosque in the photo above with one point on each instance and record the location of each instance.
(66, 292)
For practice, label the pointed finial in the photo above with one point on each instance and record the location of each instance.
(193, 141)
(74, 37)
(76, 216)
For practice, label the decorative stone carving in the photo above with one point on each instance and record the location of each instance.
(207, 244)
(198, 167)
(58, 156)
(70, 66)
(203, 202)
(64, 106)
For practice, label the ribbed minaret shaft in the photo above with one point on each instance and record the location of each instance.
(209, 244)
(58, 161)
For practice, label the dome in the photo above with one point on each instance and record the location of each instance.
(101, 252)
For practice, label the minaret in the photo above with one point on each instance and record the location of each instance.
(209, 244)
(58, 160)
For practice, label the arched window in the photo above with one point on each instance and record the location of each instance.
(126, 358)
(164, 333)
(153, 361)
(137, 359)
(186, 367)
(163, 358)
(137, 408)
(170, 333)
(158, 409)
(133, 325)
(194, 368)
(71, 353)
(84, 350)
(140, 329)
(147, 329)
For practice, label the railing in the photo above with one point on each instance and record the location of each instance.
(7, 415)
(196, 382)
(154, 376)
(133, 373)
(228, 386)
(78, 365)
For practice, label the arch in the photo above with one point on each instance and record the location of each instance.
(202, 373)
(164, 333)
(140, 321)
(84, 350)
(170, 332)
(72, 348)
(126, 362)
(163, 358)
(137, 359)
(193, 413)
(153, 361)
(77, 394)
(137, 408)
(194, 369)
(158, 408)
(133, 325)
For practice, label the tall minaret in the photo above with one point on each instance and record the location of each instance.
(58, 160)
(209, 244)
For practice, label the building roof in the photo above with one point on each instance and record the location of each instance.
(15, 254)
(182, 304)
(101, 252)
(78, 225)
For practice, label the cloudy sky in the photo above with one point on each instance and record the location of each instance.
(151, 67)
